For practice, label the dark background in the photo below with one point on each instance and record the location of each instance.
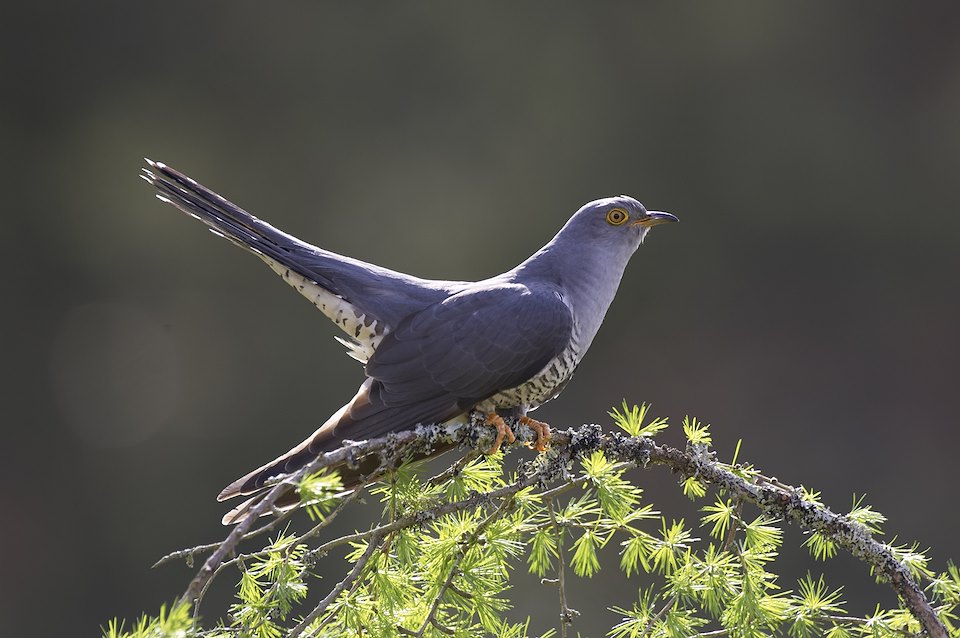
(808, 301)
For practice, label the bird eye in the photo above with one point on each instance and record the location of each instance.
(617, 216)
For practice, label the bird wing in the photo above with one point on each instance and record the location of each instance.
(438, 363)
(467, 348)
(364, 300)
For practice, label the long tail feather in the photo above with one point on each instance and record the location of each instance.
(230, 221)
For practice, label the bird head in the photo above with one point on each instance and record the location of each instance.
(615, 222)
(600, 238)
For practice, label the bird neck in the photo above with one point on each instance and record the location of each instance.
(588, 281)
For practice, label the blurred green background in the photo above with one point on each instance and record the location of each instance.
(807, 302)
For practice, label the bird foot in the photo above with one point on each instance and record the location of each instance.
(542, 430)
(503, 431)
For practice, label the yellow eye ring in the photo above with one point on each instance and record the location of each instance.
(617, 217)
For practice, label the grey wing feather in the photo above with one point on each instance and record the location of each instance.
(465, 349)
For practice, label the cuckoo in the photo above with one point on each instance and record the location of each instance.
(434, 351)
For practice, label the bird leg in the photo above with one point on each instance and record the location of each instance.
(542, 430)
(496, 421)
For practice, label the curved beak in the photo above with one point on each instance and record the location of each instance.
(655, 218)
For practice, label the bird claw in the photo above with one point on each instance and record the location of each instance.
(503, 431)
(542, 430)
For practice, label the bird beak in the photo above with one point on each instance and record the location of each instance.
(655, 218)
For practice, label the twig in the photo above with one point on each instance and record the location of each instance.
(566, 614)
(289, 547)
(329, 518)
(734, 526)
(306, 535)
(788, 504)
(213, 563)
(572, 481)
(863, 621)
(323, 604)
(772, 497)
(455, 468)
(667, 606)
(190, 552)
(464, 548)
(427, 515)
(395, 443)
(203, 592)
(381, 547)
(853, 620)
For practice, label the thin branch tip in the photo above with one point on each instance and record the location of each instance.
(551, 473)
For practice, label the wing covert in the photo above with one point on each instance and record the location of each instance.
(472, 345)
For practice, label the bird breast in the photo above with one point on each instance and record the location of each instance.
(542, 387)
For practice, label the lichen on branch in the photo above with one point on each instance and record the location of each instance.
(437, 562)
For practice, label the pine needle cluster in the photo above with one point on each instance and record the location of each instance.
(439, 561)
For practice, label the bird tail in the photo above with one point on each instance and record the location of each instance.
(290, 498)
(351, 478)
(364, 416)
(228, 220)
(254, 482)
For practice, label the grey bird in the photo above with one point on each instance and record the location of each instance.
(434, 351)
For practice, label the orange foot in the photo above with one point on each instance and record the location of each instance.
(496, 421)
(542, 430)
